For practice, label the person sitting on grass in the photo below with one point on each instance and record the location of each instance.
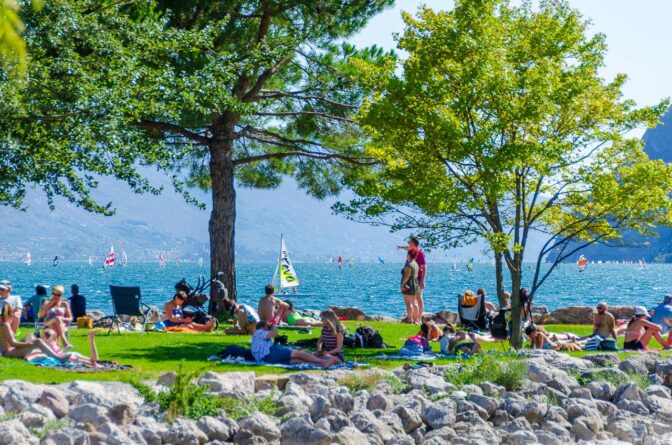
(264, 350)
(331, 340)
(417, 344)
(434, 330)
(540, 339)
(271, 309)
(246, 320)
(458, 342)
(293, 318)
(10, 347)
(639, 332)
(34, 303)
(173, 315)
(56, 314)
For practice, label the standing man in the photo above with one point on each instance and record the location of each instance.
(14, 301)
(604, 323)
(662, 316)
(414, 243)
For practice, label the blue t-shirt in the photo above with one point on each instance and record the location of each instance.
(661, 312)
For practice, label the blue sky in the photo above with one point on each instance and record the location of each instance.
(639, 35)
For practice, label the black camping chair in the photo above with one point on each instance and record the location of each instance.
(127, 301)
(473, 317)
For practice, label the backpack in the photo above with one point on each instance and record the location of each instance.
(368, 337)
(349, 340)
(236, 351)
(499, 327)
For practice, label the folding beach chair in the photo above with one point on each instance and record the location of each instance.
(127, 301)
(472, 316)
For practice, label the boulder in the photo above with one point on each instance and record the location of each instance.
(167, 379)
(123, 413)
(116, 436)
(586, 428)
(423, 379)
(299, 430)
(664, 371)
(217, 429)
(441, 435)
(631, 392)
(270, 381)
(89, 413)
(447, 317)
(368, 424)
(602, 390)
(350, 436)
(440, 414)
(488, 404)
(378, 401)
(56, 401)
(410, 420)
(35, 417)
(540, 315)
(184, 432)
(257, 425)
(573, 315)
(230, 384)
(19, 395)
(642, 363)
(13, 432)
(603, 360)
(522, 438)
(350, 313)
(622, 430)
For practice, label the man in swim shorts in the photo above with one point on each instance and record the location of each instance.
(271, 309)
(604, 323)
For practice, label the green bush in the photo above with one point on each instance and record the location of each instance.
(184, 398)
(237, 409)
(51, 425)
(509, 373)
(613, 377)
(362, 380)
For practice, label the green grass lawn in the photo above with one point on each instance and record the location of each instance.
(155, 353)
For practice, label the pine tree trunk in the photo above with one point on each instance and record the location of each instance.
(222, 222)
(516, 334)
(499, 278)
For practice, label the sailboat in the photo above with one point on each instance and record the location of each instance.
(124, 259)
(200, 262)
(582, 264)
(470, 265)
(285, 278)
(109, 260)
(27, 261)
(90, 261)
(55, 262)
(381, 261)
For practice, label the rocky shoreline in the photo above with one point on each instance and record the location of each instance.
(400, 407)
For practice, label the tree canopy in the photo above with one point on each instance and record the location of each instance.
(211, 92)
(497, 124)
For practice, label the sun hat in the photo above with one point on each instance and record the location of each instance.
(3, 287)
(667, 299)
(6, 282)
(641, 310)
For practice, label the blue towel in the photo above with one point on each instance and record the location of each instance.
(49, 362)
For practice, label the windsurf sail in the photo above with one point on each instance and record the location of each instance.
(27, 261)
(109, 259)
(470, 265)
(90, 261)
(55, 262)
(177, 259)
(162, 261)
(200, 262)
(582, 263)
(381, 261)
(285, 276)
(124, 259)
(339, 261)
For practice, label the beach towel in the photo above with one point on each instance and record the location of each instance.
(103, 366)
(423, 357)
(182, 329)
(299, 366)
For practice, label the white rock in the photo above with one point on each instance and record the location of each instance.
(232, 384)
(217, 429)
(184, 432)
(20, 395)
(368, 424)
(489, 404)
(299, 430)
(89, 413)
(522, 438)
(440, 415)
(12, 432)
(257, 425)
(56, 401)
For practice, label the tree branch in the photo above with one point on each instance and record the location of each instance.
(172, 128)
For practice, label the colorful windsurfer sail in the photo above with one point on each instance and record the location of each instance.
(27, 261)
(109, 259)
(582, 263)
(285, 276)
(470, 265)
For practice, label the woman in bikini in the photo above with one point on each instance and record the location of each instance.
(56, 314)
(173, 315)
(639, 331)
(10, 347)
(51, 339)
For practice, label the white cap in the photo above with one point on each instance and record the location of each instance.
(641, 310)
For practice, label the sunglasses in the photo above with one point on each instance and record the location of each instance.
(56, 294)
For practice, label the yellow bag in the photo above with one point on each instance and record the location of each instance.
(85, 322)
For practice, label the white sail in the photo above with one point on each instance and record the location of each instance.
(162, 261)
(90, 261)
(27, 260)
(285, 270)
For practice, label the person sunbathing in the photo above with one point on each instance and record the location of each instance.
(10, 347)
(434, 333)
(458, 342)
(540, 339)
(293, 318)
(56, 314)
(639, 332)
(51, 339)
(173, 315)
(264, 350)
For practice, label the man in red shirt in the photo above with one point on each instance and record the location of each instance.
(414, 243)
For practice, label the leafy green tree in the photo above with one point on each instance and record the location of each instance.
(213, 92)
(498, 124)
(12, 47)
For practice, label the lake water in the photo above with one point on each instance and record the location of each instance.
(372, 287)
